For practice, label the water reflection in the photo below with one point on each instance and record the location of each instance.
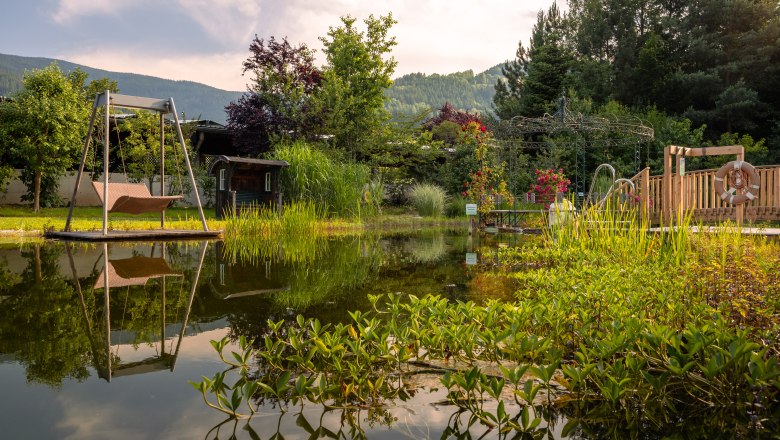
(62, 305)
(133, 272)
(75, 316)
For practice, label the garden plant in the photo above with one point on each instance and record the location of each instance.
(617, 329)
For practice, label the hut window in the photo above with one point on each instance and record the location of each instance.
(222, 179)
(268, 182)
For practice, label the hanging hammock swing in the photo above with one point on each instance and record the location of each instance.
(134, 198)
(126, 197)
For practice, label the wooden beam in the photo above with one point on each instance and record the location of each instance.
(137, 102)
(715, 151)
(666, 189)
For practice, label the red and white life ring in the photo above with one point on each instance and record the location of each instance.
(743, 182)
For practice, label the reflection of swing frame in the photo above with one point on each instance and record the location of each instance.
(128, 197)
(113, 270)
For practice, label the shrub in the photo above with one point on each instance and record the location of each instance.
(428, 199)
(456, 207)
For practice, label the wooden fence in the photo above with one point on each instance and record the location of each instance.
(695, 192)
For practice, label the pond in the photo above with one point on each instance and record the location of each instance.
(101, 341)
(80, 361)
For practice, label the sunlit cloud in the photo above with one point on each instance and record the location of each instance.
(434, 36)
(221, 70)
(228, 21)
(68, 10)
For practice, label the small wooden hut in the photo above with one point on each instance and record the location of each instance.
(244, 182)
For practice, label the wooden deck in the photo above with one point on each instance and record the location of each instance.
(768, 232)
(147, 235)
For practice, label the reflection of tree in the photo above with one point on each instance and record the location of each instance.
(41, 322)
(55, 326)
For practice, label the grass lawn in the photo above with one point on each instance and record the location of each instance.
(18, 221)
(21, 219)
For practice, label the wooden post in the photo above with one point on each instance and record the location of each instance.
(666, 190)
(680, 193)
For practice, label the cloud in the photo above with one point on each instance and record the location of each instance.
(221, 70)
(68, 10)
(434, 36)
(228, 21)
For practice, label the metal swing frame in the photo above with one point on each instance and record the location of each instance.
(162, 107)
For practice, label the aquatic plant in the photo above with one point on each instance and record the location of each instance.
(612, 323)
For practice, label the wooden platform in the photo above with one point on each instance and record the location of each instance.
(148, 235)
(769, 232)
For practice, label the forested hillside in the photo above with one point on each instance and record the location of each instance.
(195, 100)
(409, 94)
(417, 92)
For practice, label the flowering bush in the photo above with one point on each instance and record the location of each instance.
(548, 183)
(487, 180)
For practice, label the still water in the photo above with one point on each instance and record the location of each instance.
(100, 341)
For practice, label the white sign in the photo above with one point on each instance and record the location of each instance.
(471, 258)
(471, 209)
(682, 166)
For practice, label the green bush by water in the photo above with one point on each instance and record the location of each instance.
(428, 200)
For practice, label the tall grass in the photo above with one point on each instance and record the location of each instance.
(456, 206)
(428, 200)
(338, 189)
(620, 233)
(262, 233)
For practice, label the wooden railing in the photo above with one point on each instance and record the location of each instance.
(695, 192)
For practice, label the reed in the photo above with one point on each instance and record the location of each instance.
(338, 189)
(428, 200)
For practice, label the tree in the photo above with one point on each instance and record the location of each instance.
(355, 79)
(536, 79)
(44, 125)
(279, 102)
(506, 101)
(139, 139)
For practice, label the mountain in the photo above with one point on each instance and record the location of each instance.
(193, 99)
(409, 95)
(417, 92)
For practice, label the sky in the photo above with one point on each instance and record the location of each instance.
(207, 40)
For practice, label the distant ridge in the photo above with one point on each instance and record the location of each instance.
(195, 100)
(409, 95)
(415, 92)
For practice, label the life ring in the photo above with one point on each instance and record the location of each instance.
(741, 176)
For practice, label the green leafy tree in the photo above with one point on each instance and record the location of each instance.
(355, 78)
(140, 151)
(43, 128)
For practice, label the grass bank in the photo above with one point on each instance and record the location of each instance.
(18, 222)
